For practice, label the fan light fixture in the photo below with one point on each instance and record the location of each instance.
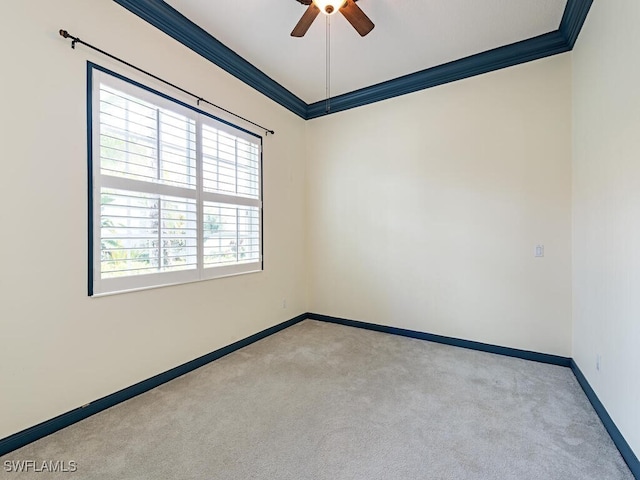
(348, 8)
(329, 7)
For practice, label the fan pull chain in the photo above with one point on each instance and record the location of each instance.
(328, 69)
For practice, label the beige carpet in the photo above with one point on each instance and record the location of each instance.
(324, 401)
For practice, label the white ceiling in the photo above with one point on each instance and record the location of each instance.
(410, 35)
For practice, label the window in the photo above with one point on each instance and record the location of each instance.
(175, 193)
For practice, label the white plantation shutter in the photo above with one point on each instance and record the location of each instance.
(176, 193)
(232, 236)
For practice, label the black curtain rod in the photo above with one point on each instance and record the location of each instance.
(74, 40)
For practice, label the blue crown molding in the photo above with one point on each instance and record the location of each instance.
(552, 43)
(575, 14)
(173, 23)
(525, 51)
(177, 26)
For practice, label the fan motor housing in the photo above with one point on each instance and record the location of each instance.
(309, 2)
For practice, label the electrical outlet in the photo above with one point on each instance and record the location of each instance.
(284, 303)
(598, 362)
(539, 251)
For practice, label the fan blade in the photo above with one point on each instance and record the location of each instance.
(305, 22)
(357, 18)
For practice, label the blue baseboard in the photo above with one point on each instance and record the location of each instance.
(48, 427)
(610, 426)
(612, 429)
(456, 342)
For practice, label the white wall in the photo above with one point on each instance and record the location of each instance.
(424, 210)
(421, 212)
(59, 348)
(606, 215)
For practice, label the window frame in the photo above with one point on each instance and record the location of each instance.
(98, 286)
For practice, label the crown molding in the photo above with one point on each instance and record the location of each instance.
(525, 51)
(167, 19)
(173, 23)
(575, 14)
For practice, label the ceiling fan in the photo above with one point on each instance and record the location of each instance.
(347, 8)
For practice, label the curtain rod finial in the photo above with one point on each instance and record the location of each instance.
(65, 34)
